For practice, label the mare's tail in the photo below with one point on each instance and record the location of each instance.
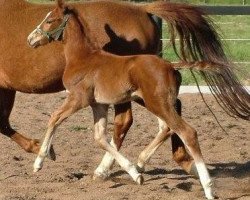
(200, 42)
(198, 38)
(225, 87)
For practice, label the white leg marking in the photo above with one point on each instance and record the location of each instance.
(100, 117)
(44, 150)
(205, 179)
(204, 176)
(103, 170)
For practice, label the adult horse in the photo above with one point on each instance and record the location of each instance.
(23, 69)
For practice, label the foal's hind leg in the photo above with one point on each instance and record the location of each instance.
(7, 98)
(189, 138)
(70, 106)
(123, 121)
(100, 117)
(180, 155)
(163, 107)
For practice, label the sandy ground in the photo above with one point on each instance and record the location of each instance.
(70, 176)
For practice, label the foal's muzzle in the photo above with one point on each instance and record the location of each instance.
(34, 39)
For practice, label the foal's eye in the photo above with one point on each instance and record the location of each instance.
(49, 21)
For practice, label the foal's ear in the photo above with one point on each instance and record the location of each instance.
(60, 3)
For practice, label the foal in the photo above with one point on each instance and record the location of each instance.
(96, 78)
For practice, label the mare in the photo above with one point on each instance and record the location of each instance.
(98, 79)
(40, 71)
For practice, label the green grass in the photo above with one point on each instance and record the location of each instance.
(78, 128)
(229, 27)
(214, 2)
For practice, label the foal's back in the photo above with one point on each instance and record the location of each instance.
(116, 79)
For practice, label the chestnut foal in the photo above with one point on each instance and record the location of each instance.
(96, 78)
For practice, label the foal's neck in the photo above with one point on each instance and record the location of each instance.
(78, 45)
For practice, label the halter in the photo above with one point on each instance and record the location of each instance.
(57, 32)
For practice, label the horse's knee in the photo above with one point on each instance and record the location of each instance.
(101, 141)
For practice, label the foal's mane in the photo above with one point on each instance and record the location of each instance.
(84, 27)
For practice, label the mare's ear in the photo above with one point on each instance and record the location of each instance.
(60, 3)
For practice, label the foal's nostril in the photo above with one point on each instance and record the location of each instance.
(29, 41)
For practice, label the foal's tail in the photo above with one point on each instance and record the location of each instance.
(225, 87)
(198, 38)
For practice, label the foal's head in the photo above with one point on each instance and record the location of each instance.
(51, 28)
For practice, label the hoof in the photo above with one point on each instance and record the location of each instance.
(38, 164)
(140, 180)
(36, 169)
(193, 171)
(140, 169)
(211, 197)
(100, 176)
(52, 155)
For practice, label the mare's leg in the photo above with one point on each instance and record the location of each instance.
(72, 104)
(180, 155)
(100, 120)
(7, 98)
(123, 120)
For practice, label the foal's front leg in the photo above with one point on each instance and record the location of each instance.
(70, 106)
(100, 119)
(123, 120)
(145, 155)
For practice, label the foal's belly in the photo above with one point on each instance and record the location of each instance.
(114, 97)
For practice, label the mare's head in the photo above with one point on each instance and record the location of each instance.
(51, 28)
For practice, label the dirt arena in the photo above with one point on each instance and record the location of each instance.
(70, 176)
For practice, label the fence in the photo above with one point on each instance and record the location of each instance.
(226, 10)
(239, 41)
